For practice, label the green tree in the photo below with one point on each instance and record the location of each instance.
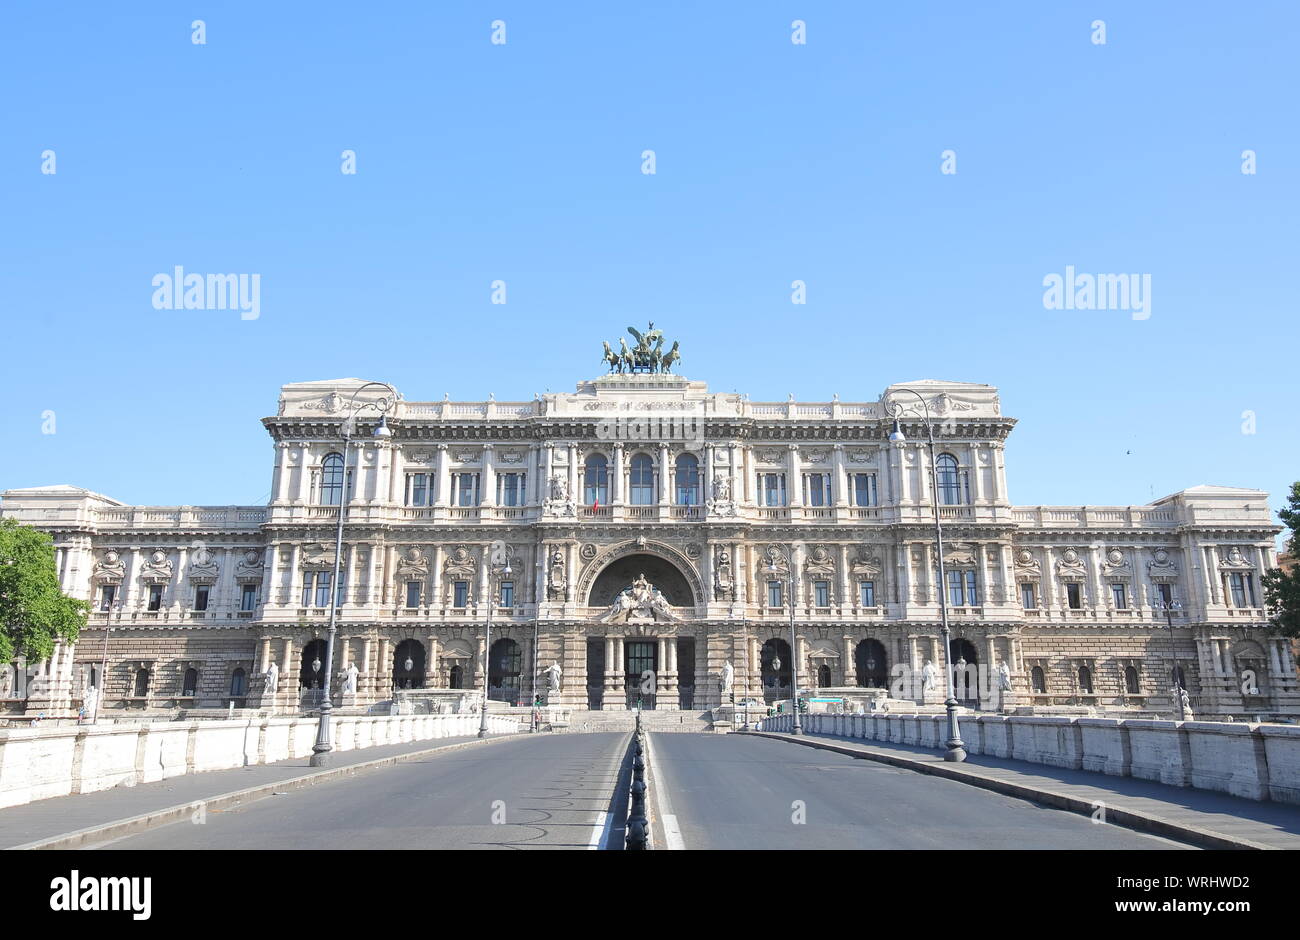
(34, 611)
(1282, 588)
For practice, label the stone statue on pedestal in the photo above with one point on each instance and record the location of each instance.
(554, 676)
(1004, 676)
(929, 677)
(728, 677)
(350, 678)
(272, 677)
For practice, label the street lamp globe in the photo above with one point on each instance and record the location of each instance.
(383, 431)
(896, 435)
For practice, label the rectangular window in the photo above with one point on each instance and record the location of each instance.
(155, 596)
(817, 489)
(1165, 594)
(507, 594)
(1074, 595)
(510, 489)
(867, 593)
(417, 489)
(201, 597)
(955, 593)
(1028, 599)
(460, 594)
(107, 594)
(771, 489)
(307, 579)
(412, 594)
(465, 488)
(1238, 581)
(863, 490)
(774, 594)
(972, 592)
(822, 593)
(1120, 596)
(323, 588)
(248, 599)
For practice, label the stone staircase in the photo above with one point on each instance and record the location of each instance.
(692, 720)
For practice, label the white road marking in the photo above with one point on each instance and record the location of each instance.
(599, 832)
(663, 806)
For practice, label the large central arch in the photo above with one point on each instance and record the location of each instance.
(663, 566)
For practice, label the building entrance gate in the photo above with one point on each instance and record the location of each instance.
(641, 669)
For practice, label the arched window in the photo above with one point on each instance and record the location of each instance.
(141, 687)
(1085, 680)
(688, 480)
(823, 676)
(408, 665)
(1131, 681)
(641, 481)
(239, 683)
(596, 480)
(949, 481)
(456, 677)
(331, 480)
(872, 664)
(190, 684)
(1038, 681)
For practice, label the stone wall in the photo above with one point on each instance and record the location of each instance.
(1258, 762)
(39, 763)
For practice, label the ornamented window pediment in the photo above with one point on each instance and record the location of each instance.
(1070, 567)
(1234, 558)
(820, 562)
(158, 569)
(460, 564)
(203, 567)
(110, 569)
(249, 566)
(1116, 566)
(412, 565)
(317, 557)
(773, 562)
(1027, 566)
(959, 555)
(1160, 568)
(862, 455)
(864, 564)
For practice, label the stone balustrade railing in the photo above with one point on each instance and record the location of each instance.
(1255, 761)
(38, 763)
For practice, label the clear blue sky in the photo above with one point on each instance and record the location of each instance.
(775, 162)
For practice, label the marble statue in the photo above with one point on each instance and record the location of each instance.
(89, 701)
(929, 677)
(7, 681)
(728, 677)
(1187, 703)
(642, 600)
(272, 677)
(554, 676)
(1004, 676)
(350, 678)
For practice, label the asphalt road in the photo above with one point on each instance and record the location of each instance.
(740, 792)
(550, 791)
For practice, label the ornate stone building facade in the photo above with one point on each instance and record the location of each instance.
(642, 533)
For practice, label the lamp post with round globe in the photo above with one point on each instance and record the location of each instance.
(323, 746)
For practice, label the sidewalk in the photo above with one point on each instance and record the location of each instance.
(111, 813)
(1202, 817)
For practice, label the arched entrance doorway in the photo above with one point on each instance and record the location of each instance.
(311, 673)
(408, 665)
(641, 672)
(774, 662)
(660, 572)
(505, 663)
(965, 671)
(871, 663)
